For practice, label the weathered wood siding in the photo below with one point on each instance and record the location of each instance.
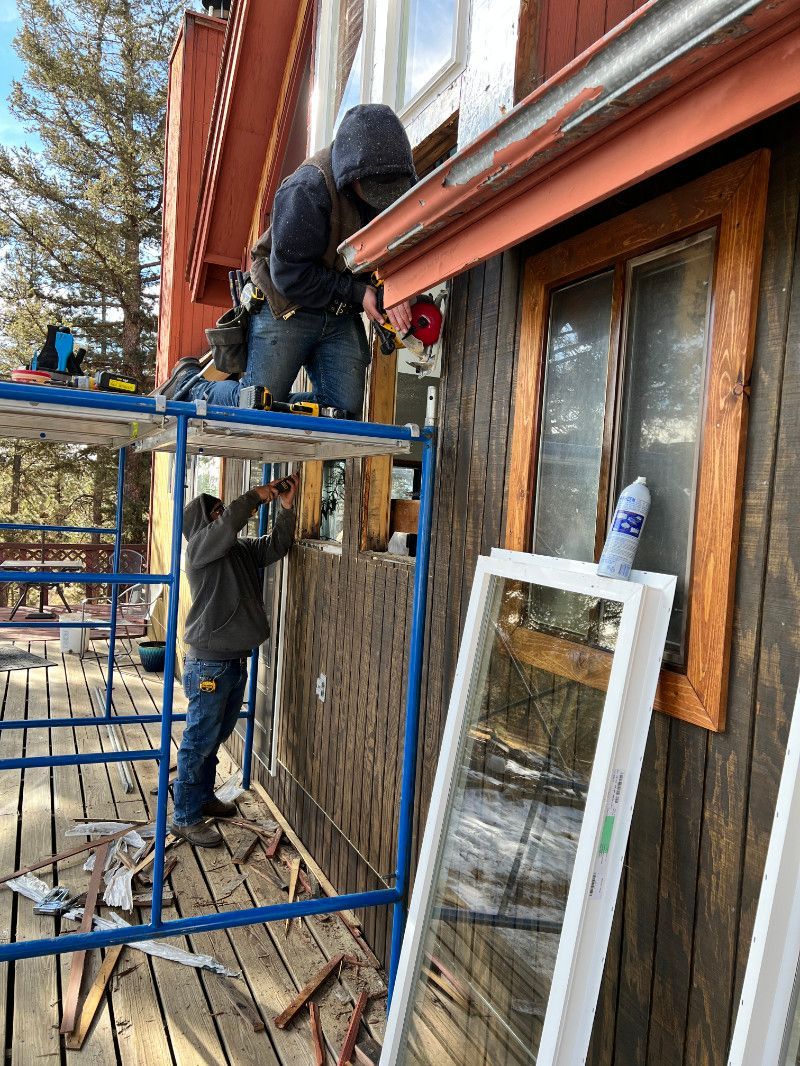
(686, 906)
(567, 29)
(194, 66)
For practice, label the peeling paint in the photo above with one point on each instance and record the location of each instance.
(649, 55)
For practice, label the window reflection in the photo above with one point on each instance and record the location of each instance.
(332, 506)
(508, 847)
(429, 34)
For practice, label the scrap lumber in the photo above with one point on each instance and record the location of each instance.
(79, 957)
(316, 1034)
(245, 850)
(293, 875)
(367, 1053)
(75, 1039)
(302, 877)
(169, 866)
(243, 1004)
(51, 860)
(301, 849)
(307, 991)
(272, 847)
(352, 1031)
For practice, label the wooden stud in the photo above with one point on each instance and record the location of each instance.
(352, 1031)
(316, 1034)
(79, 957)
(308, 991)
(74, 1040)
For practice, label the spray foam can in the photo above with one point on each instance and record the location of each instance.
(626, 528)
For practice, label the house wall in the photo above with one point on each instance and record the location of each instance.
(686, 905)
(566, 30)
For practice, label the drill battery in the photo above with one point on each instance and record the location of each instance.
(259, 398)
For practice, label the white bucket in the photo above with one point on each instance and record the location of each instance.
(74, 641)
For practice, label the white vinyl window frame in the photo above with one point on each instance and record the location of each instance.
(381, 58)
(646, 604)
(395, 51)
(762, 1020)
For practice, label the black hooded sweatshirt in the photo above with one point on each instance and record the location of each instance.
(227, 617)
(370, 142)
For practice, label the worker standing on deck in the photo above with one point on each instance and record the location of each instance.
(225, 622)
(311, 312)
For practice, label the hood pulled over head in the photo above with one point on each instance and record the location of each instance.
(197, 513)
(372, 144)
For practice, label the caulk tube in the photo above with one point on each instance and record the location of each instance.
(626, 529)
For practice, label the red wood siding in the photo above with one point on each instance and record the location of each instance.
(567, 29)
(193, 76)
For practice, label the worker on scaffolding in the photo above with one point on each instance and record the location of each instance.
(226, 621)
(309, 314)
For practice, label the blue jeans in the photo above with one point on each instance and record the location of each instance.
(210, 720)
(332, 348)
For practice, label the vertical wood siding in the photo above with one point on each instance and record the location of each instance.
(567, 29)
(687, 901)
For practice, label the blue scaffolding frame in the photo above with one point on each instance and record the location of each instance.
(151, 423)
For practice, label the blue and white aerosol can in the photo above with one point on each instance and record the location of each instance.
(626, 529)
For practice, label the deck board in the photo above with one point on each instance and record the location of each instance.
(153, 1011)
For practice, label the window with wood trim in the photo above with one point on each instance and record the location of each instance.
(397, 393)
(635, 354)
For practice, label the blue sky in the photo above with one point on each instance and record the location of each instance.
(11, 133)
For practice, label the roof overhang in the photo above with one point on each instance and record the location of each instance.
(670, 80)
(262, 43)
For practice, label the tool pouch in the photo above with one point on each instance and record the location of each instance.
(228, 341)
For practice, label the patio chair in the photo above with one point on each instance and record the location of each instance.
(135, 607)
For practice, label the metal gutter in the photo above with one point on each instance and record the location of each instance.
(664, 50)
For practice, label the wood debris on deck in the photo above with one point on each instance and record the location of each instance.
(150, 1008)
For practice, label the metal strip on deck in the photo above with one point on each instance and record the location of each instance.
(268, 443)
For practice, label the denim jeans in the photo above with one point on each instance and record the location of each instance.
(332, 348)
(210, 720)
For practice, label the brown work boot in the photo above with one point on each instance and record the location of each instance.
(217, 808)
(201, 834)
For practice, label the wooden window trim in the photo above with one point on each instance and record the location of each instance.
(734, 199)
(376, 497)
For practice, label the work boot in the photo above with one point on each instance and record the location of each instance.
(217, 808)
(183, 370)
(201, 834)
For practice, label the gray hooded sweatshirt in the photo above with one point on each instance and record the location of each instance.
(227, 617)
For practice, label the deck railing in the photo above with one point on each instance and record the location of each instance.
(96, 559)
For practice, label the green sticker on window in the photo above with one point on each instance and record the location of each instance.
(605, 835)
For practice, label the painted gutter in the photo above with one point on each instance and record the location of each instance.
(692, 72)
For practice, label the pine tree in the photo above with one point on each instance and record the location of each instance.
(80, 219)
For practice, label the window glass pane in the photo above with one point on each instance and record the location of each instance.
(508, 846)
(430, 27)
(573, 411)
(206, 475)
(665, 356)
(348, 60)
(332, 509)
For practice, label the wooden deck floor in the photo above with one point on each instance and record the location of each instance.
(154, 1011)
